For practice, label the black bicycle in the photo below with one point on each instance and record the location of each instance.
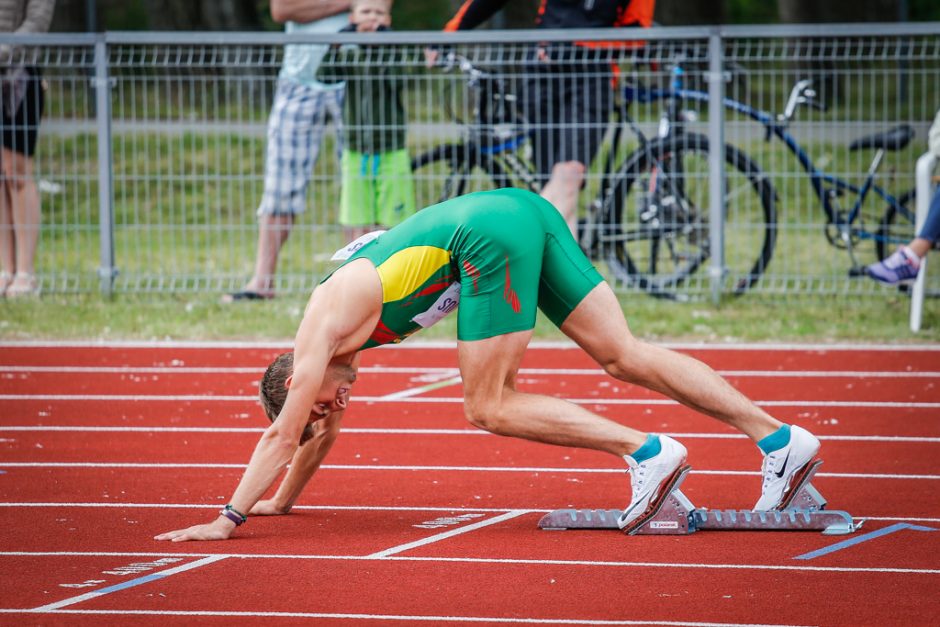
(649, 219)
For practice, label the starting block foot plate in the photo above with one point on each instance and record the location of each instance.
(675, 514)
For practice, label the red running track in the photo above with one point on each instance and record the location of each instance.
(419, 518)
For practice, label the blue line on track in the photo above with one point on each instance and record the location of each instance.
(862, 538)
(128, 584)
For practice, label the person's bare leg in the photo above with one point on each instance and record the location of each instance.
(562, 191)
(273, 231)
(23, 198)
(488, 368)
(7, 241)
(598, 326)
(920, 246)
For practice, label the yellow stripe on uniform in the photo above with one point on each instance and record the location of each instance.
(408, 269)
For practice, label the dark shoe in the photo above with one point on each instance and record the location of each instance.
(245, 295)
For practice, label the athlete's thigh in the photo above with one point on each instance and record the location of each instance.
(567, 274)
(598, 325)
(489, 365)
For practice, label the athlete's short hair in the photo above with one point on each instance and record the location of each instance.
(273, 387)
(273, 390)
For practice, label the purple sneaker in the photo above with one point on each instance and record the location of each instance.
(899, 269)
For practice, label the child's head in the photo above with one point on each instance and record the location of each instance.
(369, 15)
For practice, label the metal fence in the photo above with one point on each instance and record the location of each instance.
(151, 152)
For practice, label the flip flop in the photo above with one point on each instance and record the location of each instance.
(244, 295)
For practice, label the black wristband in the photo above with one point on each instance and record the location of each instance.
(234, 515)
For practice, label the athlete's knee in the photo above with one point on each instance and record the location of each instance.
(484, 414)
(630, 363)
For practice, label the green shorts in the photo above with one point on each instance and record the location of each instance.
(524, 258)
(509, 251)
(377, 189)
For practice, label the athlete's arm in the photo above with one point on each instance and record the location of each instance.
(303, 465)
(339, 318)
(306, 11)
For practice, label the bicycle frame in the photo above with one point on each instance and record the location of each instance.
(821, 181)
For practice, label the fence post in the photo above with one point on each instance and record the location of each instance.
(102, 86)
(924, 170)
(716, 163)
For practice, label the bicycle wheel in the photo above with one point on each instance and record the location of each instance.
(657, 236)
(451, 170)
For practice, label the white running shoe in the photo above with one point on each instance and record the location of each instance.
(781, 465)
(647, 477)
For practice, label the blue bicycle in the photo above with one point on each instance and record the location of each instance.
(649, 219)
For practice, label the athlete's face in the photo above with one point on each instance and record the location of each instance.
(333, 396)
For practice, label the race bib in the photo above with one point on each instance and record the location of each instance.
(446, 303)
(351, 248)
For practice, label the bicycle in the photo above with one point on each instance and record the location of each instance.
(846, 226)
(649, 219)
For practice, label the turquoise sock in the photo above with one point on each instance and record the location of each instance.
(776, 440)
(650, 448)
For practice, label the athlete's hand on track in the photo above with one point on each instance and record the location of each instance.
(268, 507)
(219, 529)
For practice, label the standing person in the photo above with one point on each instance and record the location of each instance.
(21, 106)
(903, 265)
(296, 127)
(469, 248)
(568, 96)
(377, 186)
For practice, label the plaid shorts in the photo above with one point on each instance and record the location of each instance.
(295, 131)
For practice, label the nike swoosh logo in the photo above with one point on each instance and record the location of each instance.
(784, 469)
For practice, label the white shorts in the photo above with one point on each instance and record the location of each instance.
(295, 131)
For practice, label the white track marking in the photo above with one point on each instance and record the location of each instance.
(421, 389)
(418, 344)
(447, 400)
(407, 618)
(590, 372)
(130, 583)
(528, 469)
(373, 508)
(416, 431)
(448, 534)
(494, 560)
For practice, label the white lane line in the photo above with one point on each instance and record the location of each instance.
(129, 584)
(323, 508)
(373, 508)
(528, 469)
(421, 389)
(447, 399)
(418, 370)
(495, 560)
(419, 344)
(457, 432)
(448, 534)
(409, 618)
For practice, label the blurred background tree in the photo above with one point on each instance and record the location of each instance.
(91, 15)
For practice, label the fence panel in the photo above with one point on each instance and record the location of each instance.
(188, 127)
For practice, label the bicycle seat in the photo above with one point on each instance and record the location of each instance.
(895, 139)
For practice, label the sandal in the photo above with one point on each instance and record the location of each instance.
(23, 285)
(245, 295)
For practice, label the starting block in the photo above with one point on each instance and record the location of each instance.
(803, 510)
